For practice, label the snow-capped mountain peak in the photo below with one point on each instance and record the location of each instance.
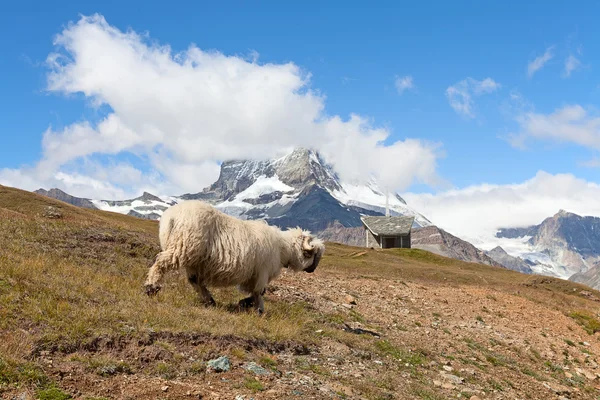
(297, 189)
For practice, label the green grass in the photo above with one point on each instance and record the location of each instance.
(53, 393)
(413, 358)
(589, 323)
(253, 384)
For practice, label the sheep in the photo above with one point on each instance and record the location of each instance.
(219, 250)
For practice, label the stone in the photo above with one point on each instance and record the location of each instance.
(221, 364)
(475, 398)
(164, 388)
(437, 383)
(448, 368)
(586, 373)
(257, 369)
(350, 300)
(556, 388)
(452, 378)
(448, 386)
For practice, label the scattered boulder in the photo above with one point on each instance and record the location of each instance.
(221, 364)
(257, 369)
(350, 300)
(52, 213)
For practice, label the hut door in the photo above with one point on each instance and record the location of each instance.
(389, 242)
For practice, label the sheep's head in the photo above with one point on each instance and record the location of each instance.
(308, 251)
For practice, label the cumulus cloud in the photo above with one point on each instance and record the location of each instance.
(404, 83)
(540, 61)
(571, 64)
(478, 211)
(185, 112)
(460, 95)
(571, 123)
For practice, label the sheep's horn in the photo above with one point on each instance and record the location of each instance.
(306, 246)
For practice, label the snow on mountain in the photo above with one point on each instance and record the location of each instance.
(146, 206)
(299, 188)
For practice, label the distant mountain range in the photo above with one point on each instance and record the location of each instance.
(568, 243)
(300, 189)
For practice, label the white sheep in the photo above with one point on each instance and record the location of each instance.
(219, 250)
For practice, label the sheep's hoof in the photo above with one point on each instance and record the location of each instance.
(246, 303)
(151, 289)
(210, 303)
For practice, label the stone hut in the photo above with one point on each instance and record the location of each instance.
(387, 232)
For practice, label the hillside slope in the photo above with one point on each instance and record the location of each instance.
(393, 324)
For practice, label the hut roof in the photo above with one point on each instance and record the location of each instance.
(388, 226)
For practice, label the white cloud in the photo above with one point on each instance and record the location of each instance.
(571, 64)
(593, 163)
(476, 212)
(571, 123)
(540, 61)
(404, 83)
(186, 112)
(460, 95)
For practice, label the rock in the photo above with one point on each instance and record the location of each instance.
(448, 368)
(556, 388)
(257, 369)
(221, 364)
(452, 378)
(585, 373)
(349, 306)
(164, 388)
(448, 385)
(475, 398)
(52, 213)
(437, 383)
(568, 375)
(357, 327)
(350, 300)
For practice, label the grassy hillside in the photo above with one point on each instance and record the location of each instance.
(75, 323)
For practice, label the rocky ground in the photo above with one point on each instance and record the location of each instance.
(368, 324)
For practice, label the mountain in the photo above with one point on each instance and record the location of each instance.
(569, 243)
(298, 189)
(438, 241)
(147, 206)
(499, 255)
(338, 233)
(591, 277)
(67, 198)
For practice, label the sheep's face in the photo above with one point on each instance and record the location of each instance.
(308, 251)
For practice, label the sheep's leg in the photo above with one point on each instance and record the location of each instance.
(161, 265)
(201, 289)
(249, 301)
(259, 305)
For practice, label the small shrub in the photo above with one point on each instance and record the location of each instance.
(569, 342)
(253, 384)
(53, 393)
(590, 324)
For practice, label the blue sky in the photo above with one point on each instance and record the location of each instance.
(354, 55)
